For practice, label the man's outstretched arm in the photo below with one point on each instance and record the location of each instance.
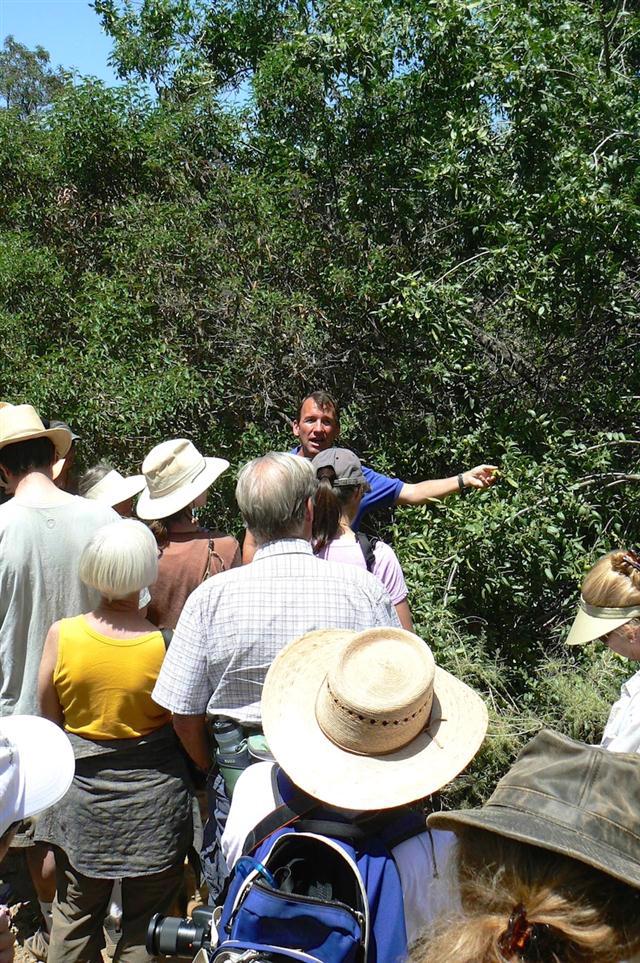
(483, 476)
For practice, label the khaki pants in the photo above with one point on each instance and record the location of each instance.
(82, 903)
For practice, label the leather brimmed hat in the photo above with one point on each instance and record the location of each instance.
(36, 767)
(567, 797)
(23, 423)
(175, 474)
(367, 720)
(593, 621)
(114, 488)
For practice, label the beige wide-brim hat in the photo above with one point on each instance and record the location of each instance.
(367, 721)
(175, 473)
(114, 488)
(22, 423)
(592, 621)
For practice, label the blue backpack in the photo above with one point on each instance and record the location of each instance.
(315, 889)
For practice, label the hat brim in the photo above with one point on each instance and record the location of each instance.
(348, 780)
(46, 763)
(119, 491)
(587, 628)
(151, 508)
(60, 437)
(533, 828)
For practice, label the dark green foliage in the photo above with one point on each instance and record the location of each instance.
(430, 209)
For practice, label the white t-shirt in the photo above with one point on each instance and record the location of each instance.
(40, 552)
(622, 731)
(423, 862)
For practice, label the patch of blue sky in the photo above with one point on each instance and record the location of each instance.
(69, 29)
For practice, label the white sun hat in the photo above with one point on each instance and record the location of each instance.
(36, 767)
(594, 621)
(175, 474)
(114, 488)
(367, 720)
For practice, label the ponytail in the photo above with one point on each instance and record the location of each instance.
(326, 512)
(161, 527)
(328, 506)
(524, 904)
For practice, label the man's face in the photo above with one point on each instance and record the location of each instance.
(317, 428)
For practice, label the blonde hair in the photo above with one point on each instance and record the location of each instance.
(592, 918)
(121, 558)
(613, 582)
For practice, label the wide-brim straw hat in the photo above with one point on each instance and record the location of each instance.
(567, 797)
(367, 721)
(23, 423)
(593, 621)
(175, 473)
(114, 488)
(36, 767)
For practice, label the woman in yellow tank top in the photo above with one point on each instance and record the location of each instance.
(128, 813)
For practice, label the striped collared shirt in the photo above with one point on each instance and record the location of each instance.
(235, 623)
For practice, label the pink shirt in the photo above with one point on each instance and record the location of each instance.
(386, 566)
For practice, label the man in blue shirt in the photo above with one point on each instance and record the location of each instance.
(317, 427)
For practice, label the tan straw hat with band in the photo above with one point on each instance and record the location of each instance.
(114, 488)
(367, 720)
(592, 621)
(23, 423)
(175, 474)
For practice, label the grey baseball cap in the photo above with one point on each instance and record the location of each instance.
(346, 465)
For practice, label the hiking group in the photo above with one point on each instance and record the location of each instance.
(270, 715)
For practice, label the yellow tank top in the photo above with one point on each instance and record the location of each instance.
(104, 685)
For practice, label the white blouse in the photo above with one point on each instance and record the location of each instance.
(622, 731)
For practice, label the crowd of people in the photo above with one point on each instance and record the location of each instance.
(146, 661)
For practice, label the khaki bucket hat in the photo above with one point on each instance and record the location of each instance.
(592, 621)
(114, 488)
(22, 423)
(366, 720)
(567, 797)
(175, 473)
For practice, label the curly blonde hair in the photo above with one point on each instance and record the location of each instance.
(589, 916)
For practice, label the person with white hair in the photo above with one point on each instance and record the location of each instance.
(234, 625)
(96, 678)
